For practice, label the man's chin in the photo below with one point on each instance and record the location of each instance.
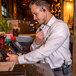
(40, 23)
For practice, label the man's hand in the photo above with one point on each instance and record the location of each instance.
(12, 58)
(39, 37)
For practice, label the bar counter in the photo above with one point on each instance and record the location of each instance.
(29, 70)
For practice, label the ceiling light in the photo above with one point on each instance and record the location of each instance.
(24, 4)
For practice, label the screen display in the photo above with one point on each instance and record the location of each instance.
(18, 46)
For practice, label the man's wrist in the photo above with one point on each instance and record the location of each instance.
(17, 61)
(35, 45)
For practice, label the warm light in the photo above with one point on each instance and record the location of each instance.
(24, 4)
(69, 6)
(68, 0)
(68, 10)
(55, 0)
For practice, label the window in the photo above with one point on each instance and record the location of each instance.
(4, 11)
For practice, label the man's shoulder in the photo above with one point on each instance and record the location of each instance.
(60, 21)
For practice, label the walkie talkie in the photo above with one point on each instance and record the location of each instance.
(65, 69)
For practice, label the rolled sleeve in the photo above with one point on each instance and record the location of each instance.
(31, 57)
(35, 46)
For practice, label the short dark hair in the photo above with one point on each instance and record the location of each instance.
(40, 3)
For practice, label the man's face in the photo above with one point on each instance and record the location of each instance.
(38, 14)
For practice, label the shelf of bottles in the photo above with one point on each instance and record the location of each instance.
(55, 6)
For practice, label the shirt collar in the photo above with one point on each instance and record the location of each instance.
(51, 21)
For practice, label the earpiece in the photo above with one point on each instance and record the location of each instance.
(43, 9)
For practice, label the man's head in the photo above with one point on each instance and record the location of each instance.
(40, 10)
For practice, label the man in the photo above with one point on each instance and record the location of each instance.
(51, 44)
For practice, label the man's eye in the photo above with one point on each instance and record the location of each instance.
(36, 14)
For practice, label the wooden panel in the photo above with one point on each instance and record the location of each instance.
(74, 41)
(14, 9)
(24, 27)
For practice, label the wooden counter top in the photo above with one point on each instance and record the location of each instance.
(31, 70)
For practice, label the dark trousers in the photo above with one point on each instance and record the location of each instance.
(59, 72)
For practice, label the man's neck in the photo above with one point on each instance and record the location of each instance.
(49, 16)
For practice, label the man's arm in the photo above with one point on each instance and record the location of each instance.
(54, 41)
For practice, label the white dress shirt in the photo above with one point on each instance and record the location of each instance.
(54, 49)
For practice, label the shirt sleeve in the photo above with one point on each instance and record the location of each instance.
(57, 37)
(34, 46)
